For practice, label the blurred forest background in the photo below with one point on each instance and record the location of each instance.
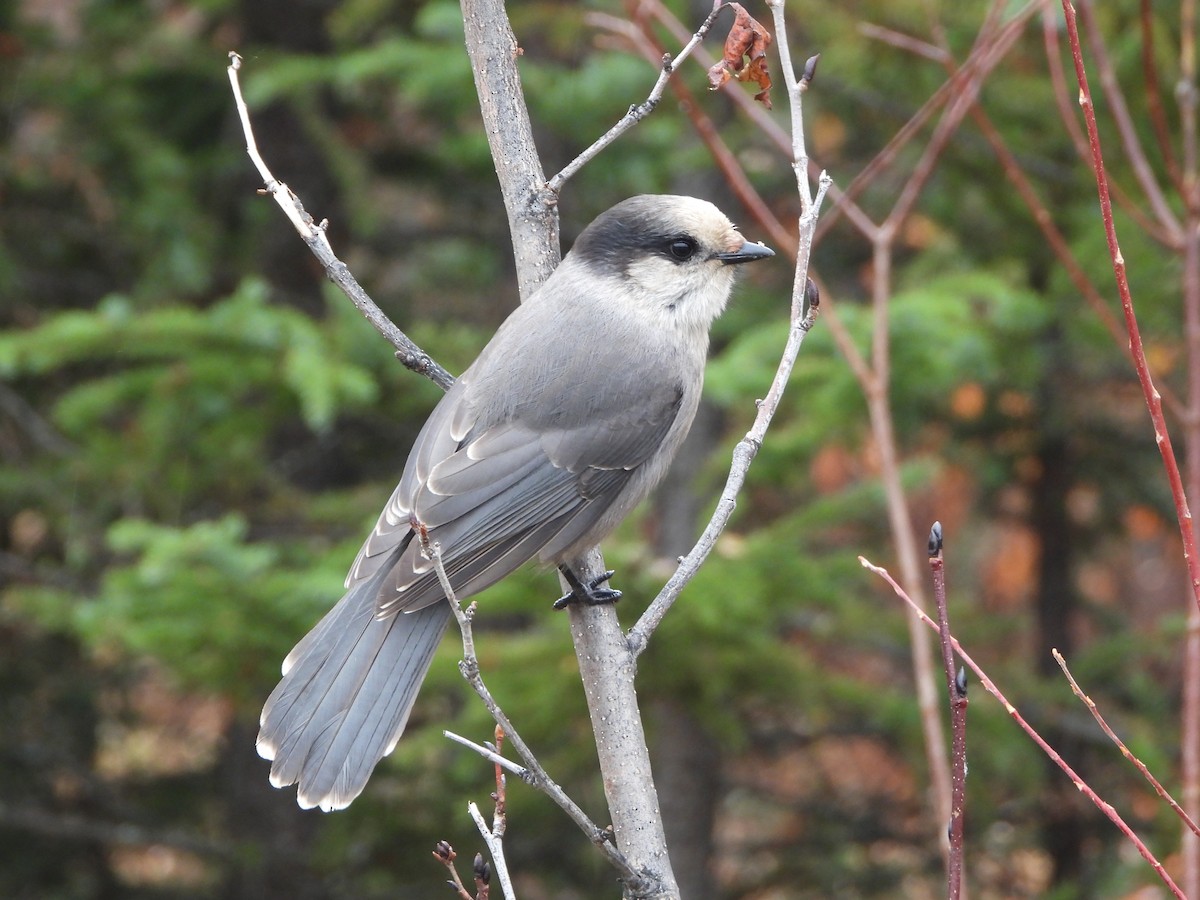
(196, 432)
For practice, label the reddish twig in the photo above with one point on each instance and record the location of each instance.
(956, 688)
(1015, 173)
(445, 854)
(500, 818)
(1191, 301)
(1151, 395)
(1125, 751)
(1062, 98)
(1121, 117)
(990, 686)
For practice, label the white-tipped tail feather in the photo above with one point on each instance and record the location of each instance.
(346, 694)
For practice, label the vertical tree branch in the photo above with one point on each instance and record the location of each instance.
(1190, 714)
(532, 208)
(1191, 710)
(990, 686)
(956, 688)
(606, 665)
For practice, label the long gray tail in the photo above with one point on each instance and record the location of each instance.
(346, 693)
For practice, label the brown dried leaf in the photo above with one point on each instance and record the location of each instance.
(745, 56)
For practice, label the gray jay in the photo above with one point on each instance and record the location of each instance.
(568, 418)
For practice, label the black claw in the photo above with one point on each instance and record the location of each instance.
(590, 594)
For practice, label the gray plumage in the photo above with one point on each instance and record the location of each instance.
(565, 422)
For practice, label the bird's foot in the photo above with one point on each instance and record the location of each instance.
(590, 594)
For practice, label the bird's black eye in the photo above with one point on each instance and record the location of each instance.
(682, 248)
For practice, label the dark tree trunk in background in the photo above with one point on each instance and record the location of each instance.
(259, 816)
(687, 769)
(1063, 832)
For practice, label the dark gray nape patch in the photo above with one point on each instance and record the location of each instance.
(629, 231)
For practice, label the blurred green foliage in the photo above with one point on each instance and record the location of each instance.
(195, 433)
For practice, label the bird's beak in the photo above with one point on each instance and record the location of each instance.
(749, 253)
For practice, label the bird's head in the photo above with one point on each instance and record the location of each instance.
(674, 257)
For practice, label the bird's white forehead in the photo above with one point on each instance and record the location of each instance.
(704, 221)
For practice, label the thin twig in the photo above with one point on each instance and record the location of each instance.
(1125, 751)
(903, 41)
(639, 111)
(446, 855)
(1152, 397)
(1154, 106)
(313, 234)
(1014, 713)
(1063, 99)
(957, 690)
(1130, 142)
(496, 848)
(500, 816)
(804, 311)
(493, 756)
(537, 775)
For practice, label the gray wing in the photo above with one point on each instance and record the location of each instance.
(494, 497)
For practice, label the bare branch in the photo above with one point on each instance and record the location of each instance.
(1014, 713)
(492, 756)
(446, 855)
(412, 356)
(804, 310)
(532, 208)
(956, 688)
(1149, 392)
(638, 112)
(1125, 751)
(1063, 99)
(496, 848)
(535, 775)
(1130, 141)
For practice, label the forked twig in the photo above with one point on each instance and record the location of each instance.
(1151, 395)
(1125, 751)
(534, 775)
(805, 300)
(990, 687)
(639, 111)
